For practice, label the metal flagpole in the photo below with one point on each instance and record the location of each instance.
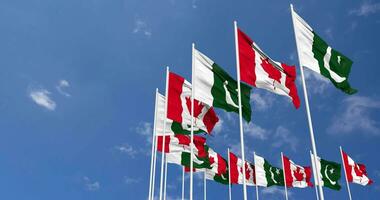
(283, 170)
(151, 184)
(314, 148)
(183, 183)
(240, 109)
(164, 133)
(229, 176)
(166, 177)
(204, 186)
(345, 173)
(154, 166)
(315, 177)
(257, 187)
(192, 122)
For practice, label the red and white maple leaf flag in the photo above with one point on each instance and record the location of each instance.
(296, 175)
(258, 70)
(179, 106)
(236, 171)
(181, 143)
(355, 173)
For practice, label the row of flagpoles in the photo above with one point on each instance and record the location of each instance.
(340, 82)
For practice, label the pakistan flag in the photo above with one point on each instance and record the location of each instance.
(317, 55)
(266, 174)
(214, 87)
(329, 173)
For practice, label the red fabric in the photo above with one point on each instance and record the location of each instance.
(174, 97)
(246, 59)
(287, 171)
(308, 176)
(159, 143)
(234, 173)
(290, 83)
(199, 143)
(210, 119)
(222, 165)
(347, 167)
(273, 73)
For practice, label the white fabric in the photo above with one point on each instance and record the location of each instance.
(362, 180)
(161, 116)
(293, 168)
(261, 179)
(203, 78)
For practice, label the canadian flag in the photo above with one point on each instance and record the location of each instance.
(236, 171)
(296, 175)
(179, 106)
(181, 143)
(355, 173)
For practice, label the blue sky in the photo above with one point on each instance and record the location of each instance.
(78, 78)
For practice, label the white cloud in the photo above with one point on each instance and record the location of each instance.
(356, 115)
(218, 127)
(41, 97)
(91, 185)
(129, 180)
(127, 149)
(255, 131)
(62, 84)
(261, 101)
(329, 33)
(283, 137)
(366, 8)
(145, 129)
(194, 4)
(274, 191)
(142, 28)
(316, 83)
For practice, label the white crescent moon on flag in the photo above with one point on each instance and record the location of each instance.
(327, 176)
(228, 95)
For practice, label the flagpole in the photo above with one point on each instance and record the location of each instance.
(345, 173)
(204, 186)
(314, 148)
(192, 122)
(283, 170)
(183, 183)
(163, 134)
(229, 175)
(240, 109)
(166, 177)
(257, 187)
(153, 145)
(314, 172)
(154, 165)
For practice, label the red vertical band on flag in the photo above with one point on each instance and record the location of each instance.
(234, 173)
(210, 119)
(246, 59)
(174, 97)
(291, 75)
(308, 176)
(347, 166)
(287, 171)
(222, 165)
(159, 143)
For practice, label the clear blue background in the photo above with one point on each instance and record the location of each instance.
(94, 144)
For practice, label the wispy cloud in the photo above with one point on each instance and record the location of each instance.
(256, 131)
(316, 83)
(275, 191)
(366, 8)
(91, 185)
(329, 33)
(218, 127)
(62, 85)
(127, 149)
(283, 137)
(145, 129)
(142, 28)
(130, 180)
(262, 101)
(194, 4)
(42, 98)
(355, 114)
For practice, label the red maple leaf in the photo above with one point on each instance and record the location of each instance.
(198, 106)
(299, 174)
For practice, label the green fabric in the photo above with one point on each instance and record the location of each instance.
(221, 81)
(274, 175)
(330, 174)
(339, 63)
(177, 128)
